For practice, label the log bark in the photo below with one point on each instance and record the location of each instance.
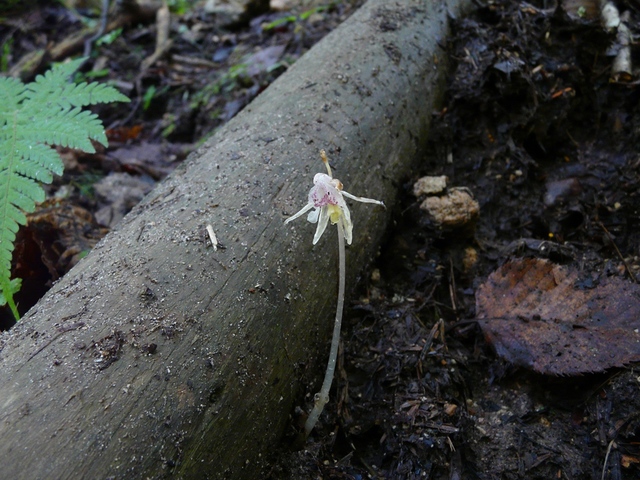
(160, 356)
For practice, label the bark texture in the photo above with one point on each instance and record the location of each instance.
(158, 356)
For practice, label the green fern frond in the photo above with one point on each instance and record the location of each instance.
(34, 117)
(71, 95)
(41, 161)
(68, 128)
(10, 89)
(13, 287)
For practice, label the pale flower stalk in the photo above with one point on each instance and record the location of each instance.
(326, 198)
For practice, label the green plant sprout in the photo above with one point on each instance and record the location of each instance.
(180, 7)
(152, 93)
(148, 97)
(34, 117)
(109, 38)
(234, 77)
(293, 18)
(83, 77)
(327, 199)
(6, 53)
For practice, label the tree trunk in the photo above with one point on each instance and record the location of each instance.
(158, 355)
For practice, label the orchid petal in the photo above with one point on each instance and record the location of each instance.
(347, 228)
(304, 210)
(322, 178)
(322, 224)
(362, 199)
(313, 216)
(347, 225)
(324, 192)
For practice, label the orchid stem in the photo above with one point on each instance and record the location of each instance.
(322, 397)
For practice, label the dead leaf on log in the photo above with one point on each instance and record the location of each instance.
(558, 321)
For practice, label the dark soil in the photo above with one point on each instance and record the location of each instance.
(532, 126)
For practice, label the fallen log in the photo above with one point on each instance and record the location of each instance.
(160, 355)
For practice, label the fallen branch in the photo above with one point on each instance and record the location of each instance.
(190, 360)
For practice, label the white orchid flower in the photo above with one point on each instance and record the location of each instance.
(327, 199)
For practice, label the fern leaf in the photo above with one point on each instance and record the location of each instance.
(53, 87)
(47, 111)
(68, 128)
(81, 94)
(11, 90)
(14, 286)
(41, 161)
(21, 191)
(46, 87)
(14, 218)
(10, 223)
(59, 75)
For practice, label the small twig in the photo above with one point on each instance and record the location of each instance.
(163, 42)
(213, 238)
(626, 265)
(103, 27)
(606, 459)
(452, 288)
(429, 341)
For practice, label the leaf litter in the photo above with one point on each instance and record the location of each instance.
(556, 321)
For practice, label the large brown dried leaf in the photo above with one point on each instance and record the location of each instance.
(554, 320)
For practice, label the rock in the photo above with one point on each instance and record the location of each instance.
(120, 192)
(455, 209)
(430, 185)
(281, 5)
(560, 190)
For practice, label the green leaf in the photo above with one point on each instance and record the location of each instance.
(109, 38)
(34, 117)
(12, 287)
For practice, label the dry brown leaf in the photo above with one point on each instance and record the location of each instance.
(557, 321)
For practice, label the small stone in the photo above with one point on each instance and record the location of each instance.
(117, 194)
(561, 190)
(281, 5)
(450, 409)
(455, 209)
(430, 185)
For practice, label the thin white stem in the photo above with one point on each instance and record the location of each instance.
(322, 397)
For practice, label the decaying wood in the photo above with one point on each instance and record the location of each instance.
(158, 355)
(163, 42)
(621, 69)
